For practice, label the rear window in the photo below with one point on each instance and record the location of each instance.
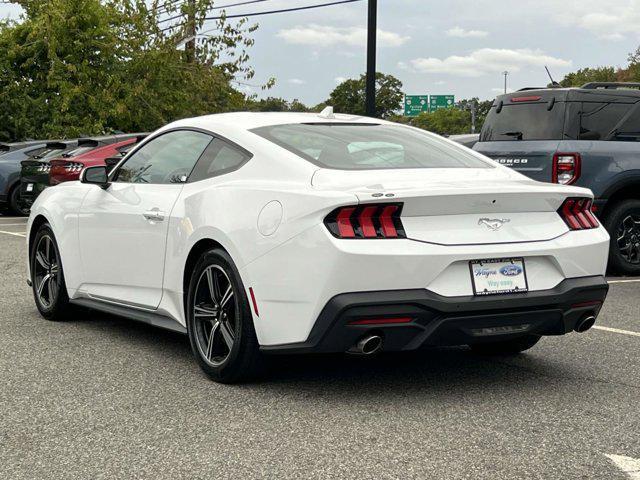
(368, 146)
(525, 121)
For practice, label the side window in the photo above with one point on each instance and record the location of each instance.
(597, 120)
(219, 158)
(629, 130)
(168, 158)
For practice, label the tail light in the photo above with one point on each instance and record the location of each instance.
(566, 168)
(366, 221)
(64, 171)
(577, 213)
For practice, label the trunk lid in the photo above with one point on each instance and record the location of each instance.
(462, 206)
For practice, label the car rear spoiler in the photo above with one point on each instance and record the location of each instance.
(56, 145)
(88, 142)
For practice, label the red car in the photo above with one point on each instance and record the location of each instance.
(68, 169)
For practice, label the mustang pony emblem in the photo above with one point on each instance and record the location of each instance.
(493, 223)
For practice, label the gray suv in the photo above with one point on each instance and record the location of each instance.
(587, 136)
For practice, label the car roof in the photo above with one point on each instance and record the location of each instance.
(251, 120)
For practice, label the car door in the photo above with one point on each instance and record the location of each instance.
(123, 228)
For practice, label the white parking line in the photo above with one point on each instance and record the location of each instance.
(630, 280)
(628, 465)
(617, 330)
(15, 234)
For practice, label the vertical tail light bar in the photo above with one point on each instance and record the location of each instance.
(366, 221)
(566, 168)
(577, 213)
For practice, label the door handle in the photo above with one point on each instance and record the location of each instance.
(154, 215)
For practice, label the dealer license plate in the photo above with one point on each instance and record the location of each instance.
(498, 276)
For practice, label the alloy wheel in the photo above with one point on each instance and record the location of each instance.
(628, 237)
(216, 315)
(46, 271)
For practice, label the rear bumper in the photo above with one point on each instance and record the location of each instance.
(439, 321)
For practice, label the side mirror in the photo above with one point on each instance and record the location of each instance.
(95, 175)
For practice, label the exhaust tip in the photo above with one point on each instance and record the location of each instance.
(367, 345)
(585, 323)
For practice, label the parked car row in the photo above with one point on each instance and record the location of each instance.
(27, 168)
(588, 137)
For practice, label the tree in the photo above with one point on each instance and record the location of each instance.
(275, 104)
(83, 67)
(586, 75)
(349, 96)
(445, 121)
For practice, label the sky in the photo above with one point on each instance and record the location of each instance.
(458, 47)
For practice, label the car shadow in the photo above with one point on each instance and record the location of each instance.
(438, 371)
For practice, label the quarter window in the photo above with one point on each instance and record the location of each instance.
(168, 158)
(219, 158)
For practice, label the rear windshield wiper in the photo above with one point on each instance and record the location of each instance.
(517, 135)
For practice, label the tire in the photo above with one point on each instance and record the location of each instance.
(506, 347)
(47, 276)
(231, 354)
(624, 249)
(15, 205)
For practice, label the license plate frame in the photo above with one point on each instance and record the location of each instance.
(495, 271)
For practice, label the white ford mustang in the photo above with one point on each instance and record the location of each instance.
(261, 233)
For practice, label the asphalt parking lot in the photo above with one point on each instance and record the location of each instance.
(102, 397)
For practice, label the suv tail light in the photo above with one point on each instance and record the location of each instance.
(379, 220)
(577, 214)
(566, 168)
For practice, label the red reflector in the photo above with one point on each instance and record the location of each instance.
(526, 99)
(344, 222)
(386, 222)
(587, 304)
(253, 300)
(366, 222)
(381, 321)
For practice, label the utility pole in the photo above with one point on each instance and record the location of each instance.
(372, 30)
(505, 73)
(473, 116)
(190, 46)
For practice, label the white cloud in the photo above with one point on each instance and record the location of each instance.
(296, 81)
(440, 82)
(327, 36)
(500, 91)
(610, 20)
(487, 60)
(462, 33)
(339, 80)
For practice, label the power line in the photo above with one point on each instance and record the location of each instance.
(216, 8)
(269, 12)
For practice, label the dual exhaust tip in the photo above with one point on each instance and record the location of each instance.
(367, 345)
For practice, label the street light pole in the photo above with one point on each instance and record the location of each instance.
(371, 58)
(505, 73)
(190, 47)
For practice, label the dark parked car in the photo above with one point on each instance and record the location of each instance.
(35, 171)
(587, 136)
(10, 157)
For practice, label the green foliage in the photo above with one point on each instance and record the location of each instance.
(446, 121)
(84, 67)
(586, 75)
(275, 104)
(350, 96)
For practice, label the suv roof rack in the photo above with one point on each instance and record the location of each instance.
(610, 85)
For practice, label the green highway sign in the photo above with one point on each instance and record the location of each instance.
(414, 105)
(436, 102)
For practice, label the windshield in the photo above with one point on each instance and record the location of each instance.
(368, 146)
(527, 121)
